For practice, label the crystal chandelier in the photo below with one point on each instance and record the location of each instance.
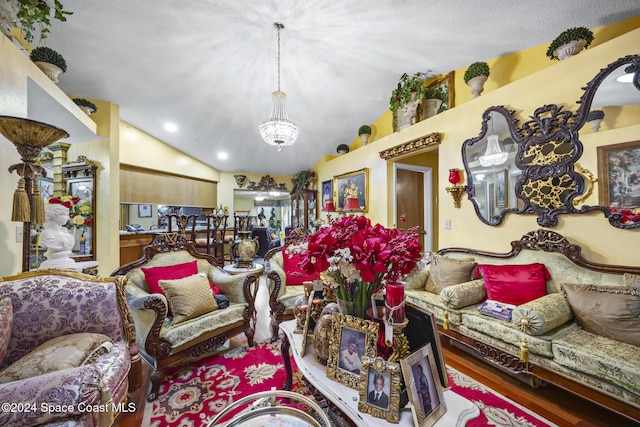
(278, 130)
(493, 156)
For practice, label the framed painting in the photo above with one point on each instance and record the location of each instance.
(619, 175)
(46, 188)
(425, 392)
(327, 192)
(438, 96)
(144, 211)
(351, 338)
(352, 185)
(379, 389)
(501, 195)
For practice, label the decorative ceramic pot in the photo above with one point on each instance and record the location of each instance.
(477, 85)
(595, 124)
(52, 71)
(365, 138)
(407, 114)
(567, 50)
(245, 250)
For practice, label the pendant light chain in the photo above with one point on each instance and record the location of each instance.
(279, 26)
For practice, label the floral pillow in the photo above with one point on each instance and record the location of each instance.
(6, 325)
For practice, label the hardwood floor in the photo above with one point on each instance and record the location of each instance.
(556, 405)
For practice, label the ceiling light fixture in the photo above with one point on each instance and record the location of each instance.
(625, 78)
(170, 127)
(278, 130)
(493, 156)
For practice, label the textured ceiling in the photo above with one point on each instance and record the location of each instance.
(210, 66)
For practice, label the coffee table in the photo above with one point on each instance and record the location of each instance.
(233, 269)
(459, 409)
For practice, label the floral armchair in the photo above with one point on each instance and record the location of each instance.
(165, 335)
(69, 340)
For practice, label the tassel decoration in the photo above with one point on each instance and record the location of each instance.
(445, 323)
(21, 208)
(37, 205)
(524, 350)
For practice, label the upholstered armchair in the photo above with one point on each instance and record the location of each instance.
(172, 327)
(265, 242)
(69, 341)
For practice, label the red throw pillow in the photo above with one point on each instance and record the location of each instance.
(168, 272)
(515, 284)
(295, 275)
(214, 289)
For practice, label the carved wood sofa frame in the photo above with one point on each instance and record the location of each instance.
(530, 373)
(159, 353)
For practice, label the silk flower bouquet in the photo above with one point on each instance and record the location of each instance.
(80, 211)
(358, 258)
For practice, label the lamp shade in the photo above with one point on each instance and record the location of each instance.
(329, 206)
(352, 204)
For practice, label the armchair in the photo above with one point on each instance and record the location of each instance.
(71, 343)
(265, 242)
(165, 340)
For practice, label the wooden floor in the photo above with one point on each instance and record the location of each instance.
(552, 403)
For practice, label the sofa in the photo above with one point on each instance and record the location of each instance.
(183, 304)
(573, 323)
(66, 339)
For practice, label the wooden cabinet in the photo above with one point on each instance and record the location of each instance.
(304, 209)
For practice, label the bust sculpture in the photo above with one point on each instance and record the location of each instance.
(56, 238)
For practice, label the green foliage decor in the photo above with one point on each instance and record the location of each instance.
(33, 14)
(81, 102)
(364, 130)
(342, 147)
(476, 69)
(402, 93)
(45, 54)
(303, 179)
(575, 33)
(595, 115)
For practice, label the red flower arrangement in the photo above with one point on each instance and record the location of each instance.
(80, 211)
(358, 258)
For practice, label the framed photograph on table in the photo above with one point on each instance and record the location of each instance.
(144, 211)
(619, 175)
(425, 392)
(351, 338)
(352, 185)
(379, 389)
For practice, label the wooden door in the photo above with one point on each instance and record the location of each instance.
(410, 200)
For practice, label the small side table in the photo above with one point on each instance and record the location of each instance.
(232, 269)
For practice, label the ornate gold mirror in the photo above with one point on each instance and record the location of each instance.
(531, 168)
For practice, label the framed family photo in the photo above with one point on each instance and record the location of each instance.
(380, 389)
(425, 392)
(327, 193)
(619, 175)
(351, 338)
(352, 185)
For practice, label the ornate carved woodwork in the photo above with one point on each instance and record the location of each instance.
(412, 146)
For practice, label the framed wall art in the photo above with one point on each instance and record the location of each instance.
(46, 188)
(144, 211)
(352, 185)
(619, 175)
(350, 339)
(327, 192)
(379, 389)
(438, 96)
(425, 392)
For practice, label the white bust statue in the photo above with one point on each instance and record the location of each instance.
(56, 238)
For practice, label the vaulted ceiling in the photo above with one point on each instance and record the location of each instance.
(210, 66)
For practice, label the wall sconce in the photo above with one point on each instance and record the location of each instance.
(457, 190)
(240, 179)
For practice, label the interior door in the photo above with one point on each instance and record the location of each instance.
(411, 183)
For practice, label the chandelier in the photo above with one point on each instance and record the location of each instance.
(278, 130)
(493, 156)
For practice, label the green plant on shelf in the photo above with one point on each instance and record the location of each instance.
(572, 34)
(402, 94)
(45, 54)
(475, 70)
(37, 14)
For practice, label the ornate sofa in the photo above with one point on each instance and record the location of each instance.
(71, 343)
(169, 338)
(582, 334)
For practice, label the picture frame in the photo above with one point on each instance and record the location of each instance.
(439, 96)
(353, 183)
(80, 187)
(327, 193)
(425, 392)
(379, 389)
(501, 194)
(45, 186)
(351, 338)
(305, 328)
(144, 211)
(614, 180)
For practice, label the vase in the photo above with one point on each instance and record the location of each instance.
(244, 250)
(357, 308)
(477, 85)
(567, 50)
(595, 125)
(364, 138)
(52, 71)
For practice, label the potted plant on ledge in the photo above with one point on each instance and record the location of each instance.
(49, 61)
(85, 105)
(570, 42)
(595, 119)
(405, 99)
(31, 15)
(475, 76)
(364, 132)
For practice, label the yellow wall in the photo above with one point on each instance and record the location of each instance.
(550, 82)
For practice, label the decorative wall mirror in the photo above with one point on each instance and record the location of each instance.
(531, 168)
(80, 176)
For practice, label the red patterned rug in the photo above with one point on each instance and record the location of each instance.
(194, 394)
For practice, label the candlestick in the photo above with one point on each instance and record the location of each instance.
(395, 302)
